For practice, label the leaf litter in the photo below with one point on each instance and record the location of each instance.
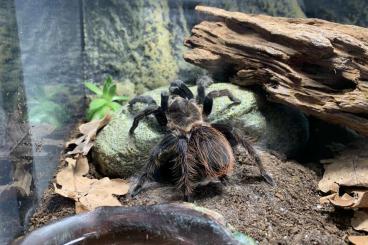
(346, 182)
(89, 130)
(71, 181)
(358, 240)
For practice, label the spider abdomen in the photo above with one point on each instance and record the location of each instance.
(209, 153)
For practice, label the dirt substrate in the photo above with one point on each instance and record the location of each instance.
(288, 213)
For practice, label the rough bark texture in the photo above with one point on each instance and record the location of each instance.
(317, 66)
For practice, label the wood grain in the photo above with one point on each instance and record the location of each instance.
(317, 66)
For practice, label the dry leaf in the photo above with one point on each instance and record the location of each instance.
(89, 130)
(348, 169)
(326, 199)
(71, 180)
(360, 220)
(344, 201)
(79, 208)
(100, 193)
(356, 199)
(88, 193)
(362, 199)
(76, 141)
(358, 240)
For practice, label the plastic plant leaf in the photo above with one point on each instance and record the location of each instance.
(106, 86)
(95, 106)
(115, 106)
(101, 113)
(112, 92)
(120, 98)
(93, 88)
(106, 101)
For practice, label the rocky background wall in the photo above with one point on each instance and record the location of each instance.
(140, 42)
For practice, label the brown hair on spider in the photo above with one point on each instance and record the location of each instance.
(192, 149)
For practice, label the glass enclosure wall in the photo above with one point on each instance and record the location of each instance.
(49, 47)
(41, 98)
(15, 167)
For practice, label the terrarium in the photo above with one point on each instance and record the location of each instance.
(183, 122)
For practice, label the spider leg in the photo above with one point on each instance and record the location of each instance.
(186, 170)
(179, 88)
(166, 144)
(142, 99)
(235, 137)
(164, 100)
(201, 93)
(154, 109)
(202, 83)
(208, 100)
(224, 180)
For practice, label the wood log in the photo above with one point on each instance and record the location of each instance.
(317, 66)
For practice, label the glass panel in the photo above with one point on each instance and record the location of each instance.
(41, 99)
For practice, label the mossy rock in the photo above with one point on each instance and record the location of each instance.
(276, 127)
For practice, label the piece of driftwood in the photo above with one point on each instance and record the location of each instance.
(317, 66)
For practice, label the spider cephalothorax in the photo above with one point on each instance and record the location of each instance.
(192, 148)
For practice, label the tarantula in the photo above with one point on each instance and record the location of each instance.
(192, 149)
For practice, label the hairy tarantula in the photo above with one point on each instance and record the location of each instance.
(192, 149)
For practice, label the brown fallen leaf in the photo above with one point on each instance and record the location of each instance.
(88, 193)
(79, 208)
(89, 131)
(350, 168)
(344, 201)
(74, 185)
(362, 199)
(75, 141)
(358, 240)
(100, 193)
(326, 199)
(355, 199)
(360, 220)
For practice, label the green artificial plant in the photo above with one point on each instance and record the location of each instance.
(105, 101)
